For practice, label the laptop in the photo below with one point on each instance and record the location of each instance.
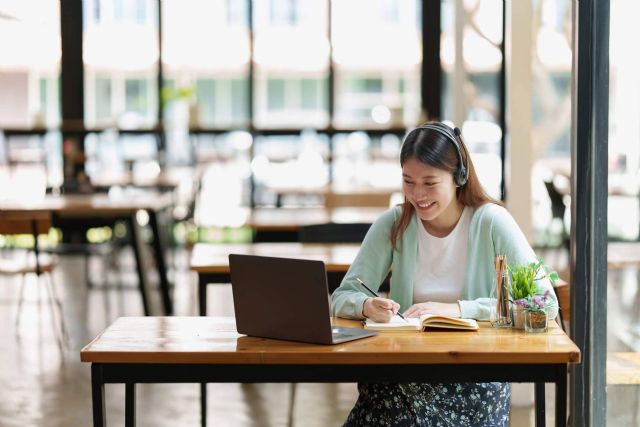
(285, 298)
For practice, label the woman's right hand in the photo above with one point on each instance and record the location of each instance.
(380, 309)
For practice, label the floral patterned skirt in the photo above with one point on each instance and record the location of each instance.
(418, 404)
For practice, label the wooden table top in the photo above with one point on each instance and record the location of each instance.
(201, 340)
(166, 178)
(291, 219)
(214, 257)
(82, 204)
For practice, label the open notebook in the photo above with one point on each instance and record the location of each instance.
(425, 321)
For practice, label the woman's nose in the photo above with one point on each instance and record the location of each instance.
(419, 193)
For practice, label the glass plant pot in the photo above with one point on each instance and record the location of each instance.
(535, 321)
(518, 316)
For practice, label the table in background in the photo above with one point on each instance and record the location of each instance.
(208, 349)
(100, 209)
(167, 179)
(211, 260)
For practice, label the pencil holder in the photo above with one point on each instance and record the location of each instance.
(500, 315)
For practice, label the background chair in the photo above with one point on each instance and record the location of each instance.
(558, 209)
(34, 223)
(561, 289)
(333, 233)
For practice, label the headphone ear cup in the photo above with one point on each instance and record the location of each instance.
(461, 176)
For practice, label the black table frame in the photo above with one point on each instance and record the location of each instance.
(159, 249)
(134, 373)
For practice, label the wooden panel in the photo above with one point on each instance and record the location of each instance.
(623, 368)
(378, 199)
(562, 292)
(214, 258)
(12, 222)
(215, 340)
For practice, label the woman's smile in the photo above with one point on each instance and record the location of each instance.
(425, 206)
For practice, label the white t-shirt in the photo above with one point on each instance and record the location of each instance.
(441, 263)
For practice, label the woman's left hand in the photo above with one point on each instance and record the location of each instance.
(430, 307)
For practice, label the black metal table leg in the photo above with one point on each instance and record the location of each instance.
(130, 405)
(203, 404)
(136, 242)
(159, 249)
(540, 405)
(202, 309)
(561, 396)
(202, 295)
(97, 392)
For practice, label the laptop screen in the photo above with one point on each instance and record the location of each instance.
(282, 298)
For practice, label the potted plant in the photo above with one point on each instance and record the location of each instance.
(535, 313)
(524, 288)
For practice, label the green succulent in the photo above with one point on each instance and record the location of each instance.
(523, 278)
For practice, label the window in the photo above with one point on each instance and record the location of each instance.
(363, 85)
(368, 62)
(237, 13)
(471, 67)
(312, 94)
(276, 94)
(103, 98)
(120, 46)
(136, 98)
(283, 12)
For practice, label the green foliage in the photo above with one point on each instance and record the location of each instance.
(523, 278)
(172, 93)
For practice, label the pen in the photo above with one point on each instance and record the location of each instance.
(375, 294)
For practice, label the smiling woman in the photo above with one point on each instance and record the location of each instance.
(441, 169)
(439, 245)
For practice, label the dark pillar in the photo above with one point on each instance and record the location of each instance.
(590, 129)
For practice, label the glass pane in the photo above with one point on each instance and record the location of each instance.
(276, 94)
(471, 61)
(551, 105)
(136, 95)
(211, 74)
(103, 98)
(623, 279)
(30, 66)
(30, 95)
(369, 62)
(121, 46)
(291, 55)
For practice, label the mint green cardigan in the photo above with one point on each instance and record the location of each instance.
(492, 231)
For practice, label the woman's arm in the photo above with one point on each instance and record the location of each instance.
(498, 233)
(508, 239)
(372, 265)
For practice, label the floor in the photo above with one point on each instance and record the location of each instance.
(40, 386)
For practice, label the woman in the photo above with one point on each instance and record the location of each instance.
(440, 245)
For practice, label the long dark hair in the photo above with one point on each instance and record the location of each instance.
(435, 149)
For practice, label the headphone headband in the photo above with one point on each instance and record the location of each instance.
(461, 175)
